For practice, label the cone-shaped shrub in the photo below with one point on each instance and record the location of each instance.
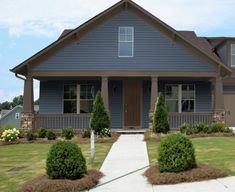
(100, 118)
(65, 161)
(160, 119)
(176, 153)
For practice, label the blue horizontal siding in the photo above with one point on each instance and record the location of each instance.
(116, 103)
(98, 50)
(9, 118)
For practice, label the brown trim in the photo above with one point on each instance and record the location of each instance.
(105, 92)
(154, 93)
(38, 74)
(100, 18)
(28, 95)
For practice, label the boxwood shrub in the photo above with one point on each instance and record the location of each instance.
(176, 153)
(68, 133)
(42, 133)
(51, 135)
(31, 136)
(203, 128)
(65, 161)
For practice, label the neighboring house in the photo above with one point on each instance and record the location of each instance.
(13, 116)
(3, 112)
(131, 56)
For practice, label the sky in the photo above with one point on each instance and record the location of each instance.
(27, 26)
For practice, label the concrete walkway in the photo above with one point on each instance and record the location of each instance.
(128, 154)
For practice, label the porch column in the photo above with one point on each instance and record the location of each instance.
(27, 115)
(153, 99)
(218, 99)
(105, 92)
(154, 93)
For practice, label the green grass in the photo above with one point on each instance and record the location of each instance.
(33, 158)
(215, 151)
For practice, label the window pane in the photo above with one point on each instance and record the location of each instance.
(86, 106)
(172, 105)
(125, 49)
(171, 92)
(129, 30)
(70, 106)
(233, 59)
(187, 105)
(187, 91)
(70, 92)
(233, 48)
(129, 38)
(122, 38)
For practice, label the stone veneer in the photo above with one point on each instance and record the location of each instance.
(219, 116)
(27, 121)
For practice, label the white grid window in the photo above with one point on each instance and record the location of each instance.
(180, 98)
(126, 41)
(78, 98)
(233, 55)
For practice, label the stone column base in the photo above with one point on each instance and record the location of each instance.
(151, 121)
(27, 121)
(219, 116)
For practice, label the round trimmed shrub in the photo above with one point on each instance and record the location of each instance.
(30, 136)
(176, 153)
(68, 133)
(51, 135)
(42, 133)
(65, 161)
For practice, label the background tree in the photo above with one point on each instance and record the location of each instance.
(5, 105)
(100, 117)
(160, 118)
(17, 101)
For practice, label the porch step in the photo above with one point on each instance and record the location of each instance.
(130, 131)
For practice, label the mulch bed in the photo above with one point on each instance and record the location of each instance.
(78, 138)
(200, 173)
(149, 136)
(43, 184)
(219, 134)
(25, 141)
(99, 139)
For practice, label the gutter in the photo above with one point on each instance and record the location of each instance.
(17, 75)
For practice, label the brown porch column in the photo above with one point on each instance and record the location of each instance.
(105, 92)
(153, 99)
(27, 115)
(154, 93)
(218, 99)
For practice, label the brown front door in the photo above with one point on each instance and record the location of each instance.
(229, 106)
(132, 90)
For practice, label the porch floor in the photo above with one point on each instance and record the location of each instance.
(130, 131)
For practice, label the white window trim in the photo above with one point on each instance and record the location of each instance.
(231, 55)
(132, 55)
(180, 97)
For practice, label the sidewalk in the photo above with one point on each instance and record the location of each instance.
(128, 154)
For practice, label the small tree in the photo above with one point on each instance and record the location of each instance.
(100, 118)
(160, 118)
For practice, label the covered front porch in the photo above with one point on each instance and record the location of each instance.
(67, 101)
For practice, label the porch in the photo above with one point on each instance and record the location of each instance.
(80, 121)
(129, 100)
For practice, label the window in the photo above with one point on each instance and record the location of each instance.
(78, 98)
(17, 115)
(125, 41)
(180, 98)
(233, 55)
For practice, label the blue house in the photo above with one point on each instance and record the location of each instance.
(131, 56)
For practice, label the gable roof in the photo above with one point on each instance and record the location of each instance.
(198, 45)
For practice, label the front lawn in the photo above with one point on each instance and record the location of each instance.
(215, 151)
(31, 158)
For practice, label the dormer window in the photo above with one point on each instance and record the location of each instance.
(125, 41)
(233, 55)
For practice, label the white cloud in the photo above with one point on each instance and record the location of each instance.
(9, 95)
(49, 18)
